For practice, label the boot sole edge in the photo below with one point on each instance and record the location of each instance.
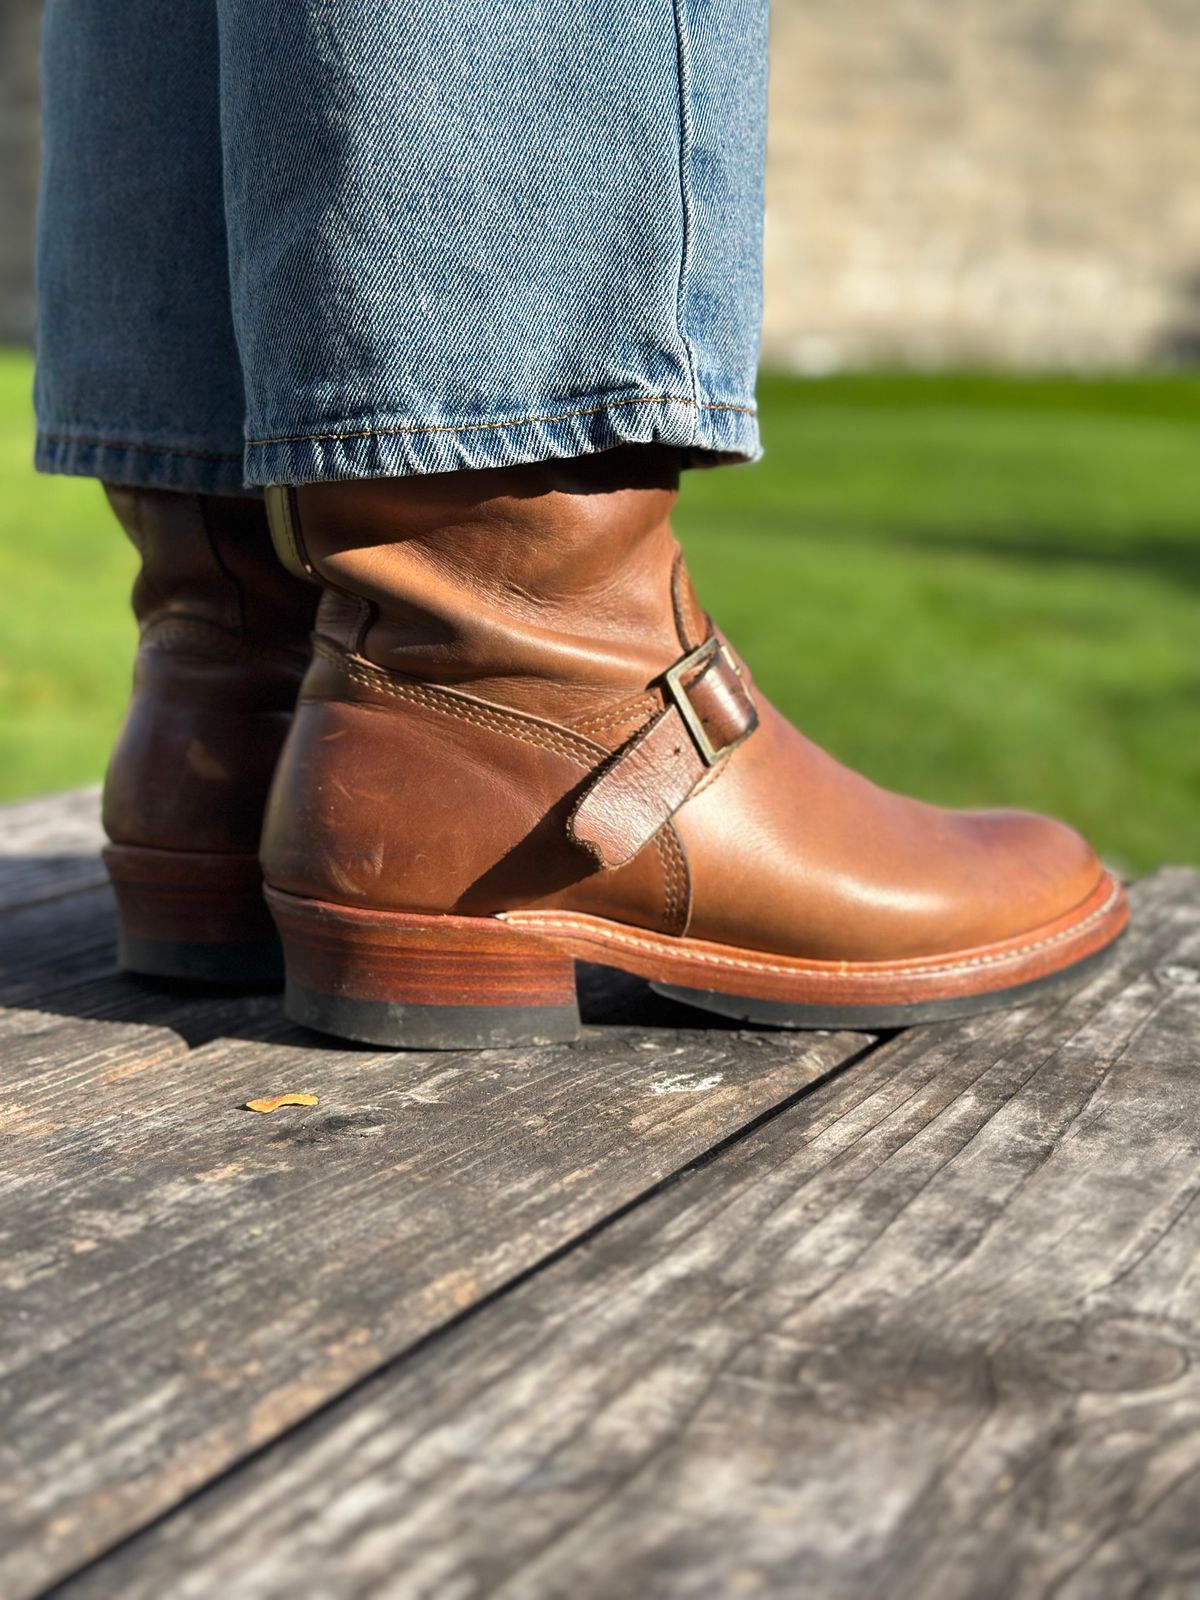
(193, 918)
(387, 978)
(884, 1018)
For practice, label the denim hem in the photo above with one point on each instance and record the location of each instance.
(706, 433)
(140, 465)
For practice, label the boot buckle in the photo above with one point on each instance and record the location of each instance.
(695, 666)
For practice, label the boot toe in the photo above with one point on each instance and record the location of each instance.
(1040, 870)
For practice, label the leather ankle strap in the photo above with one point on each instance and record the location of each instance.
(709, 711)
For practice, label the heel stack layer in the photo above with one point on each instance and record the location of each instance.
(193, 916)
(408, 981)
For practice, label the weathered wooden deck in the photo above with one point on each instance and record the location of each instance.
(674, 1312)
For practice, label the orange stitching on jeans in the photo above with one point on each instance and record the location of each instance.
(514, 422)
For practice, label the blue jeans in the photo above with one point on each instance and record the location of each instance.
(286, 241)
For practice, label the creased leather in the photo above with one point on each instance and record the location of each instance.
(544, 587)
(552, 600)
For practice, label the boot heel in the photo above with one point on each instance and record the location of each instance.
(421, 982)
(193, 916)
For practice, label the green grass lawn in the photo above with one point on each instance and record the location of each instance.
(66, 636)
(981, 590)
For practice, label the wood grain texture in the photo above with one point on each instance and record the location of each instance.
(933, 1331)
(183, 1280)
(50, 846)
(56, 942)
(49, 849)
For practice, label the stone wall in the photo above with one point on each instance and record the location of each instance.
(951, 181)
(1007, 181)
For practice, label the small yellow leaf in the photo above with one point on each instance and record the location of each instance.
(274, 1101)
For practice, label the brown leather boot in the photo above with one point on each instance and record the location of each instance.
(521, 742)
(225, 638)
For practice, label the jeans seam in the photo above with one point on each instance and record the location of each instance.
(684, 70)
(131, 444)
(512, 422)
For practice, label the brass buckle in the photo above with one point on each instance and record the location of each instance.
(708, 651)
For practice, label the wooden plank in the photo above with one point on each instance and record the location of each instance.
(50, 846)
(55, 943)
(933, 1331)
(183, 1280)
(49, 850)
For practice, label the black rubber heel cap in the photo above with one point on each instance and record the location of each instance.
(398, 1026)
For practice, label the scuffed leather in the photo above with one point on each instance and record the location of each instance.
(224, 641)
(495, 647)
(397, 796)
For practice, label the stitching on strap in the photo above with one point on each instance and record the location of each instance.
(671, 854)
(644, 705)
(436, 698)
(669, 909)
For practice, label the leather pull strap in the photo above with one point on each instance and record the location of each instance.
(709, 712)
(283, 518)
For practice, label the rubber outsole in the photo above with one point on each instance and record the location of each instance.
(881, 1018)
(237, 964)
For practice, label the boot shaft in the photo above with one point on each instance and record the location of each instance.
(224, 641)
(209, 581)
(557, 588)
